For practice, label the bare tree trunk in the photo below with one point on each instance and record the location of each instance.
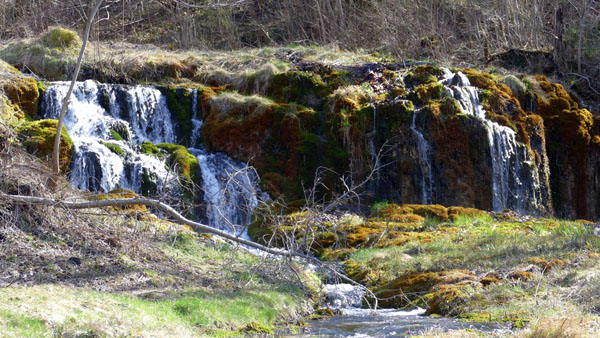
(583, 8)
(63, 112)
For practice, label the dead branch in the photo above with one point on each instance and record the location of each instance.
(32, 200)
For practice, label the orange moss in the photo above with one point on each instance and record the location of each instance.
(423, 75)
(569, 131)
(485, 281)
(23, 92)
(404, 212)
(455, 212)
(479, 79)
(546, 265)
(409, 287)
(520, 275)
(445, 299)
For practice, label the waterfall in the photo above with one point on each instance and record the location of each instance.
(513, 186)
(424, 162)
(230, 191)
(196, 122)
(108, 122)
(95, 116)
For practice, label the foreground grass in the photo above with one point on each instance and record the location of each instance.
(51, 310)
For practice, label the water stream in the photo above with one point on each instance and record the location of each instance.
(354, 321)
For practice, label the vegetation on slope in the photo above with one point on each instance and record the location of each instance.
(122, 271)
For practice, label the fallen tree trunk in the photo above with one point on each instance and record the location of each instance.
(32, 200)
(148, 202)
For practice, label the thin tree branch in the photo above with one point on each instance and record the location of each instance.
(215, 5)
(63, 112)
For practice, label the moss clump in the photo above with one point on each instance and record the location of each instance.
(115, 148)
(423, 75)
(447, 106)
(305, 88)
(400, 213)
(254, 328)
(437, 287)
(428, 92)
(58, 37)
(149, 148)
(38, 139)
(186, 163)
(23, 92)
(115, 135)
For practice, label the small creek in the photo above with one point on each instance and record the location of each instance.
(357, 322)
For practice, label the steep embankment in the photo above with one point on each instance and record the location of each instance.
(452, 137)
(116, 271)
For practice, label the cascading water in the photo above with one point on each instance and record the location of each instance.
(95, 117)
(106, 124)
(424, 162)
(230, 187)
(513, 186)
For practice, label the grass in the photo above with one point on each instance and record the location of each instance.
(218, 309)
(54, 53)
(481, 243)
(557, 287)
(46, 310)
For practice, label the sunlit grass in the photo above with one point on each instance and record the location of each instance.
(48, 309)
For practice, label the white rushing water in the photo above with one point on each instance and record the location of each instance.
(512, 187)
(140, 113)
(424, 162)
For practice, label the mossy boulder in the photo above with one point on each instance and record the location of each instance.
(186, 163)
(439, 288)
(38, 139)
(422, 75)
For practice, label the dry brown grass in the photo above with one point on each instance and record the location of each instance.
(561, 328)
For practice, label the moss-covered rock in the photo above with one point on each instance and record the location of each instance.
(115, 148)
(185, 163)
(38, 139)
(440, 289)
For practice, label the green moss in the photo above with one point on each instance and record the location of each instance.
(180, 103)
(115, 136)
(423, 75)
(186, 163)
(428, 92)
(302, 87)
(149, 185)
(149, 148)
(38, 139)
(23, 92)
(115, 148)
(58, 37)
